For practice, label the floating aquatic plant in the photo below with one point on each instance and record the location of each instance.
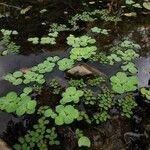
(130, 67)
(101, 117)
(65, 64)
(122, 83)
(66, 114)
(146, 93)
(127, 104)
(89, 97)
(12, 103)
(56, 88)
(99, 30)
(71, 95)
(82, 53)
(40, 136)
(77, 83)
(105, 99)
(95, 81)
(82, 41)
(82, 140)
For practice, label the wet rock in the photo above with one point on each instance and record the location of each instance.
(84, 70)
(3, 145)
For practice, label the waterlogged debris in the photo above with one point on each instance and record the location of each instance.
(3, 145)
(25, 10)
(84, 70)
(131, 14)
(146, 5)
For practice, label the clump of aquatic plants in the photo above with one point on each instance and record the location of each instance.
(65, 114)
(47, 112)
(10, 47)
(34, 74)
(40, 136)
(71, 95)
(65, 64)
(82, 41)
(82, 53)
(55, 27)
(99, 30)
(89, 98)
(56, 88)
(49, 39)
(101, 117)
(95, 81)
(126, 56)
(82, 140)
(146, 93)
(105, 99)
(127, 105)
(20, 105)
(130, 44)
(130, 67)
(44, 67)
(78, 83)
(83, 116)
(122, 83)
(19, 77)
(88, 16)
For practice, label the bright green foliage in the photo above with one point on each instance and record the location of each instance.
(129, 44)
(8, 32)
(71, 95)
(77, 83)
(82, 140)
(31, 76)
(105, 99)
(127, 55)
(101, 57)
(113, 58)
(40, 137)
(95, 81)
(146, 92)
(130, 67)
(12, 103)
(47, 112)
(122, 83)
(84, 116)
(58, 27)
(35, 75)
(34, 40)
(89, 97)
(44, 67)
(82, 53)
(56, 88)
(127, 104)
(82, 41)
(99, 30)
(129, 2)
(101, 117)
(47, 40)
(146, 5)
(65, 64)
(53, 59)
(50, 39)
(66, 114)
(26, 91)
